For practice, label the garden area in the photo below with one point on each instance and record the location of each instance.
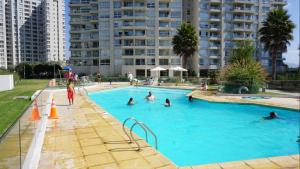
(10, 108)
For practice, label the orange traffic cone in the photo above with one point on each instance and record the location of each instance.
(35, 115)
(53, 112)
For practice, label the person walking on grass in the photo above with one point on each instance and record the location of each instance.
(70, 91)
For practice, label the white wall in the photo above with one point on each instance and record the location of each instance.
(6, 82)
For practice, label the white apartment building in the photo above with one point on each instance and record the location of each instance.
(34, 31)
(122, 36)
(224, 23)
(3, 62)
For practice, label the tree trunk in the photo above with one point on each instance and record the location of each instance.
(274, 61)
(184, 62)
(195, 64)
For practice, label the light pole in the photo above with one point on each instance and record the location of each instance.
(54, 70)
(24, 71)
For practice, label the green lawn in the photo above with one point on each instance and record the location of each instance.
(10, 109)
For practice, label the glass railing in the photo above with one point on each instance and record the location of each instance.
(16, 140)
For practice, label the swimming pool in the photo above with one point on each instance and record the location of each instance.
(203, 132)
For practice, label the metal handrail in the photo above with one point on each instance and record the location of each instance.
(130, 139)
(143, 126)
(84, 89)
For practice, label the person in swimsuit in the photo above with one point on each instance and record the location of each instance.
(130, 101)
(70, 91)
(168, 103)
(272, 115)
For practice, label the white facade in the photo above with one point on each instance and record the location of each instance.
(122, 36)
(3, 59)
(54, 30)
(30, 25)
(7, 82)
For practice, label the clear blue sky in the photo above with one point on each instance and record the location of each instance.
(292, 56)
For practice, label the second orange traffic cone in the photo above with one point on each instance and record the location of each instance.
(53, 112)
(35, 114)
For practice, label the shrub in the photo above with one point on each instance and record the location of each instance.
(243, 70)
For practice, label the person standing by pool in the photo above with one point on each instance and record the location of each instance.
(168, 103)
(150, 96)
(130, 101)
(70, 91)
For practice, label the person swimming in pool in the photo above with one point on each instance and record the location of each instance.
(168, 103)
(150, 96)
(190, 98)
(272, 115)
(130, 101)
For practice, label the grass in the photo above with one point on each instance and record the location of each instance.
(10, 109)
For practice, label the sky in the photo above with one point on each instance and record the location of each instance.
(292, 55)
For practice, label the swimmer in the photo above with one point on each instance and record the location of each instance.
(150, 97)
(130, 101)
(190, 98)
(168, 103)
(272, 115)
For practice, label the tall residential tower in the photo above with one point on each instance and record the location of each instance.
(34, 31)
(121, 36)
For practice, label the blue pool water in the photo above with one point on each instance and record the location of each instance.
(203, 132)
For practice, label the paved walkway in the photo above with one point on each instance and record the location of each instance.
(85, 136)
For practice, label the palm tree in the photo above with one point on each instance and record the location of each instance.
(185, 44)
(276, 34)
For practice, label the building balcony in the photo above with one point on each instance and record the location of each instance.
(214, 47)
(215, 1)
(250, 2)
(215, 29)
(279, 2)
(243, 10)
(241, 19)
(214, 19)
(214, 56)
(242, 29)
(241, 38)
(215, 10)
(213, 66)
(214, 38)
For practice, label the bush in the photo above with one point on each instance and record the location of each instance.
(243, 70)
(40, 71)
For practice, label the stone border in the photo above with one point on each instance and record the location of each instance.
(34, 152)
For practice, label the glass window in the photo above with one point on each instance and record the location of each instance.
(139, 61)
(140, 72)
(128, 61)
(105, 62)
(150, 61)
(163, 61)
(104, 5)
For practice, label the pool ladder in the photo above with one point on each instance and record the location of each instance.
(143, 126)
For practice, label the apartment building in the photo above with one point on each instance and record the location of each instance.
(3, 62)
(122, 36)
(224, 23)
(34, 31)
(118, 37)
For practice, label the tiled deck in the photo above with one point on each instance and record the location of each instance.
(85, 136)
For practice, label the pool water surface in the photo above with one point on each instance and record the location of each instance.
(201, 132)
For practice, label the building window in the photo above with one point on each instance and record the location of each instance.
(104, 5)
(140, 61)
(128, 61)
(95, 62)
(150, 61)
(164, 73)
(140, 72)
(163, 61)
(105, 62)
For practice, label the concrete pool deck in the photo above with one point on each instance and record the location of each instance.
(85, 136)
